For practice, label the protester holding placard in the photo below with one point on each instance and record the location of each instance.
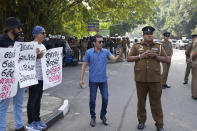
(35, 91)
(13, 31)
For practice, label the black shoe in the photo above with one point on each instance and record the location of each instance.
(185, 82)
(160, 129)
(104, 119)
(195, 98)
(163, 86)
(167, 86)
(93, 122)
(21, 129)
(141, 126)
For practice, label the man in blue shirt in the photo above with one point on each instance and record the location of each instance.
(97, 58)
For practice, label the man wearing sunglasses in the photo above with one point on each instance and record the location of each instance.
(12, 33)
(97, 58)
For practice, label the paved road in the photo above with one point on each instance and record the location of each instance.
(180, 111)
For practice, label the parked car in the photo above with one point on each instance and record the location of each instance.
(173, 41)
(180, 44)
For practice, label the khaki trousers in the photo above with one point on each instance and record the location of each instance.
(194, 80)
(187, 72)
(154, 90)
(166, 67)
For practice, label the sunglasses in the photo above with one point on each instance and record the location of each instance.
(100, 42)
(43, 33)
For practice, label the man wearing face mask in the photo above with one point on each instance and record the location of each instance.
(147, 56)
(12, 33)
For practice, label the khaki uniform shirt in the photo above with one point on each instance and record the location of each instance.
(167, 47)
(84, 44)
(194, 49)
(147, 70)
(124, 44)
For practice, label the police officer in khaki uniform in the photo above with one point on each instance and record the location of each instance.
(166, 44)
(147, 56)
(124, 46)
(84, 46)
(128, 44)
(188, 62)
(194, 66)
(75, 47)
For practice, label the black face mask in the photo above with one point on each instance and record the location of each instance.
(18, 36)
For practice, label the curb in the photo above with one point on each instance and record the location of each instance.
(59, 114)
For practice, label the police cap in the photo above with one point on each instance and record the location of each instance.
(148, 30)
(166, 34)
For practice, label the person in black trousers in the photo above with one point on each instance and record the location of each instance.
(35, 91)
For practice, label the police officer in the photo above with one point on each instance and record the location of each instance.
(194, 66)
(166, 44)
(188, 62)
(13, 31)
(84, 45)
(128, 44)
(124, 46)
(147, 56)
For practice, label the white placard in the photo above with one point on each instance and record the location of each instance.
(8, 73)
(27, 64)
(52, 67)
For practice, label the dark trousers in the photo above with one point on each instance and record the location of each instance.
(103, 86)
(154, 90)
(34, 101)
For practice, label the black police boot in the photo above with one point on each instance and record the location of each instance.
(185, 82)
(141, 126)
(194, 98)
(163, 86)
(167, 86)
(93, 122)
(104, 119)
(160, 129)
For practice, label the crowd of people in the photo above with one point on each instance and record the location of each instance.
(95, 51)
(74, 49)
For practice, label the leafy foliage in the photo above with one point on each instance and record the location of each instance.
(176, 16)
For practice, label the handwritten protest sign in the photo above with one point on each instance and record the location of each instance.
(27, 64)
(8, 73)
(52, 68)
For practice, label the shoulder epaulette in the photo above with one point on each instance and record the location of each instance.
(158, 43)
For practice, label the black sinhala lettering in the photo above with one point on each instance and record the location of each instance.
(27, 77)
(9, 54)
(53, 62)
(30, 57)
(52, 54)
(7, 73)
(26, 67)
(8, 63)
(26, 47)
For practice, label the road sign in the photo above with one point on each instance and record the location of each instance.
(93, 25)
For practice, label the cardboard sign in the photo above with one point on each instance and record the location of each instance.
(52, 68)
(8, 73)
(27, 63)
